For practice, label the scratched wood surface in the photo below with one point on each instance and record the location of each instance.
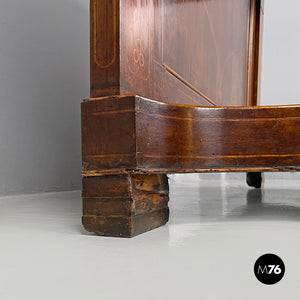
(198, 52)
(125, 205)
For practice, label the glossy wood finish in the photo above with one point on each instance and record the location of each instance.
(196, 52)
(105, 47)
(200, 59)
(255, 52)
(125, 205)
(134, 133)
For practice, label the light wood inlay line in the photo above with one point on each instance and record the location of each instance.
(220, 156)
(95, 173)
(195, 156)
(114, 20)
(114, 112)
(171, 71)
(110, 155)
(222, 120)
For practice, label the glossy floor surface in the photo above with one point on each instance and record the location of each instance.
(217, 230)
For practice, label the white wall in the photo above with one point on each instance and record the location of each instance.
(281, 53)
(44, 75)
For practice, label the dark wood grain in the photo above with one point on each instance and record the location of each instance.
(168, 138)
(108, 129)
(125, 205)
(196, 52)
(201, 61)
(255, 52)
(104, 47)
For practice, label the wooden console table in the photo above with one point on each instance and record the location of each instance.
(174, 89)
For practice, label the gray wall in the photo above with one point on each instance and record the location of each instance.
(44, 74)
(281, 48)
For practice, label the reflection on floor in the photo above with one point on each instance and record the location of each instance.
(218, 228)
(233, 200)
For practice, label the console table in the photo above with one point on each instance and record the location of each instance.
(174, 89)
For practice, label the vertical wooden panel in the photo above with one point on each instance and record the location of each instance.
(189, 52)
(105, 50)
(255, 52)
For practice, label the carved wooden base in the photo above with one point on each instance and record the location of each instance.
(125, 205)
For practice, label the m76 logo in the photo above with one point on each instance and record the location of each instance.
(269, 269)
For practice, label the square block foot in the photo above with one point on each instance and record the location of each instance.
(125, 205)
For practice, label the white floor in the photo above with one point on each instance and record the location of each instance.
(217, 230)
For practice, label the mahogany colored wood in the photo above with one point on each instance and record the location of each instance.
(197, 52)
(125, 205)
(200, 61)
(137, 134)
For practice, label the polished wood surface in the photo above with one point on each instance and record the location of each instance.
(104, 47)
(255, 52)
(134, 133)
(196, 52)
(174, 89)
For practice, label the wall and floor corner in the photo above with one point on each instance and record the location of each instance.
(44, 75)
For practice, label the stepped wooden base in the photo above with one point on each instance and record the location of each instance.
(125, 205)
(128, 142)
